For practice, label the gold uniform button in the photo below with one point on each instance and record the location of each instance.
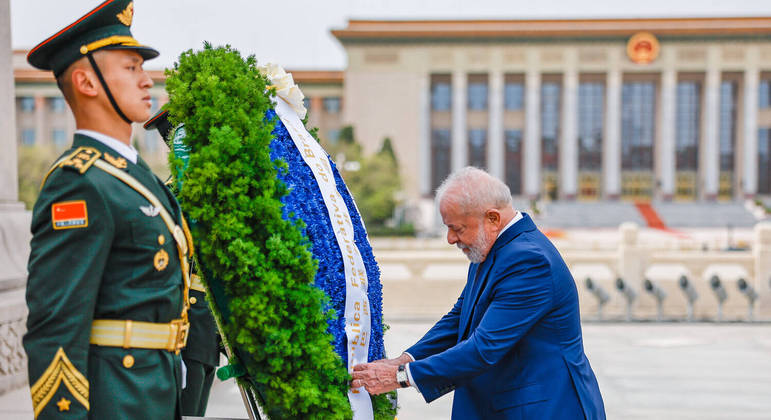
(128, 361)
(161, 239)
(193, 300)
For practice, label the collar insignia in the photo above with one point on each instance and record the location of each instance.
(150, 210)
(117, 162)
(127, 15)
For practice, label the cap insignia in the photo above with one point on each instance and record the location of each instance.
(127, 15)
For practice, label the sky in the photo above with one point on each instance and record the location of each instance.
(295, 33)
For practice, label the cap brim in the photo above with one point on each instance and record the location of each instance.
(147, 53)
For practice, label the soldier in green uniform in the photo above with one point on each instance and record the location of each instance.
(201, 355)
(108, 271)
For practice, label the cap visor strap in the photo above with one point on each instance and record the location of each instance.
(106, 88)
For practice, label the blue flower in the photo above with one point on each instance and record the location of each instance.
(305, 202)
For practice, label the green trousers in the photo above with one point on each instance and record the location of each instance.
(199, 380)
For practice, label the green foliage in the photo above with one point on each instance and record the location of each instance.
(34, 162)
(374, 184)
(263, 261)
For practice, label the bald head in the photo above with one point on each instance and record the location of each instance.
(474, 191)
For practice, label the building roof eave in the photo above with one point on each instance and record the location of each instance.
(380, 30)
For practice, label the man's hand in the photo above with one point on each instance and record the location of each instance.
(377, 377)
(401, 360)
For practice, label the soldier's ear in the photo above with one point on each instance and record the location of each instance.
(84, 82)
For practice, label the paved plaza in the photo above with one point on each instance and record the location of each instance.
(645, 370)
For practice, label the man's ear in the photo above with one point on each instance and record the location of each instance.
(84, 82)
(493, 216)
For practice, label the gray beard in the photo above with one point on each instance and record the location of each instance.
(476, 254)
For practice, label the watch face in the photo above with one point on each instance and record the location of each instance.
(401, 376)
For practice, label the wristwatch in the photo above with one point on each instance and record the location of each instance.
(401, 376)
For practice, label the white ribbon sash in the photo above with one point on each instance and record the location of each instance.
(357, 314)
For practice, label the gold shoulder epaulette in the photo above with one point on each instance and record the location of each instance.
(118, 162)
(80, 160)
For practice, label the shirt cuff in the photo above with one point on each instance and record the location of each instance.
(409, 375)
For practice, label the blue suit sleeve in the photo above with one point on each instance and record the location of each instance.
(442, 336)
(521, 296)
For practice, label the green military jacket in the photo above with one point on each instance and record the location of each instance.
(101, 251)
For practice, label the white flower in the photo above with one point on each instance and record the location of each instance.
(285, 87)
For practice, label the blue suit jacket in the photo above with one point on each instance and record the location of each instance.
(511, 347)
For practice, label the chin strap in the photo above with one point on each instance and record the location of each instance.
(106, 88)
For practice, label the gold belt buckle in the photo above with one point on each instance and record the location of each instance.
(181, 331)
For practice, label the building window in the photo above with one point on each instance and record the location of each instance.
(59, 137)
(441, 92)
(28, 136)
(764, 94)
(27, 104)
(307, 103)
(513, 160)
(441, 152)
(57, 105)
(550, 125)
(332, 104)
(727, 132)
(637, 125)
(550, 128)
(477, 92)
(477, 147)
(591, 115)
(764, 161)
(513, 96)
(153, 105)
(688, 117)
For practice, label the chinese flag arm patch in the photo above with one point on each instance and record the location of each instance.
(69, 215)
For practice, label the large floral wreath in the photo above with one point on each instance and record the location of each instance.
(263, 232)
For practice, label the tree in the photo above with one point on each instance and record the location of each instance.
(374, 182)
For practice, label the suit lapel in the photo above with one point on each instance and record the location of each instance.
(478, 285)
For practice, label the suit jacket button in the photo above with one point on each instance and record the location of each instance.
(128, 361)
(193, 300)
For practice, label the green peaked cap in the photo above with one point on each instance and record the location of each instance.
(108, 26)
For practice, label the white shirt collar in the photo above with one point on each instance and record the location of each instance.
(516, 218)
(125, 150)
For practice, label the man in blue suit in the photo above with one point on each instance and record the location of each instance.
(511, 347)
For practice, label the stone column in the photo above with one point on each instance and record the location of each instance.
(761, 251)
(424, 137)
(666, 153)
(532, 143)
(568, 155)
(495, 150)
(611, 146)
(459, 129)
(14, 226)
(711, 156)
(751, 85)
(631, 257)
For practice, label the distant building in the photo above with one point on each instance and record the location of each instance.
(631, 109)
(606, 109)
(44, 118)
